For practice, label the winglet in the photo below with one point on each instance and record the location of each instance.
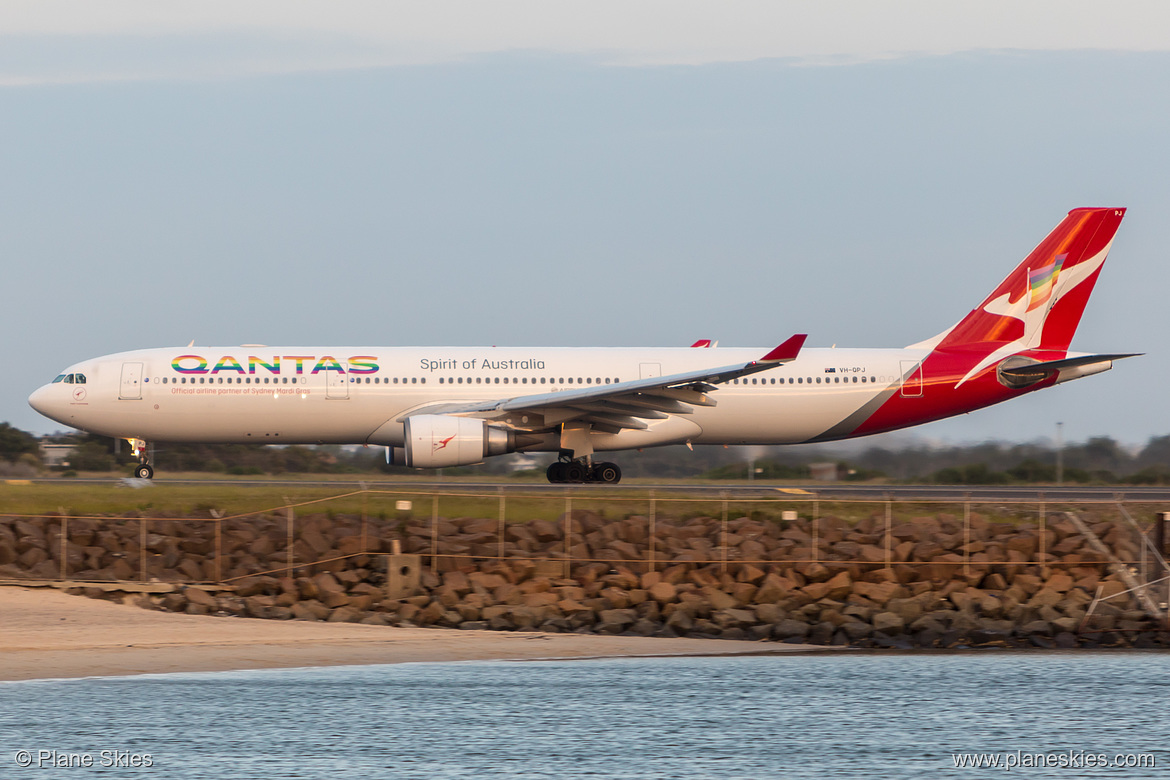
(704, 344)
(786, 351)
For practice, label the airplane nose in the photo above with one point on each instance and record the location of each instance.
(41, 400)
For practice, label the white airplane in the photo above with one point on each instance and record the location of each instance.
(451, 406)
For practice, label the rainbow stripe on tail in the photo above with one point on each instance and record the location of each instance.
(1041, 281)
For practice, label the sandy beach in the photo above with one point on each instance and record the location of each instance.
(45, 633)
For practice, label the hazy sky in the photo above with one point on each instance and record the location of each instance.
(597, 173)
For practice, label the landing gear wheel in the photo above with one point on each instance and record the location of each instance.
(575, 471)
(578, 471)
(144, 471)
(608, 473)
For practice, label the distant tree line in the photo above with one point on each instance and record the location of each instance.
(20, 452)
(1098, 460)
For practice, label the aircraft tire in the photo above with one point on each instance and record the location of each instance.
(144, 471)
(608, 473)
(575, 472)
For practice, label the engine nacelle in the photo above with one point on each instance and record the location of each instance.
(435, 441)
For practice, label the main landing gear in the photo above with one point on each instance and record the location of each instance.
(581, 470)
(143, 470)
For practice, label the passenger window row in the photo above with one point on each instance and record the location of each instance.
(276, 380)
(800, 380)
(219, 380)
(525, 380)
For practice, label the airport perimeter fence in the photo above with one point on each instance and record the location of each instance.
(453, 528)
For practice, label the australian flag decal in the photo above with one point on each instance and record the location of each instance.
(830, 370)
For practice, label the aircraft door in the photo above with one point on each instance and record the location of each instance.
(336, 385)
(131, 387)
(911, 379)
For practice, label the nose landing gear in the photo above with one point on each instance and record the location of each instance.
(143, 470)
(580, 470)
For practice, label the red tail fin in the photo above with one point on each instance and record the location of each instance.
(1039, 304)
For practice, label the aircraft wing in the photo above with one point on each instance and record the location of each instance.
(614, 407)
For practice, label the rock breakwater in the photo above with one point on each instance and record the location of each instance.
(932, 581)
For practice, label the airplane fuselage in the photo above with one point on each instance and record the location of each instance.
(360, 395)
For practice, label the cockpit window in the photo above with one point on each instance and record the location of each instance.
(60, 378)
(80, 379)
(69, 379)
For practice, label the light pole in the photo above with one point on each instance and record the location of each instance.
(1060, 453)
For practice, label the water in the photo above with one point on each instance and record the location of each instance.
(857, 716)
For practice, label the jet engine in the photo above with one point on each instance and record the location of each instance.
(434, 441)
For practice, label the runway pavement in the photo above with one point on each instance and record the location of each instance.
(740, 489)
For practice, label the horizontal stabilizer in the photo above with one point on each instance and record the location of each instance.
(1059, 365)
(1014, 372)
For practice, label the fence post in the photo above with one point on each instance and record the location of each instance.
(500, 533)
(64, 546)
(568, 532)
(889, 531)
(291, 530)
(653, 530)
(218, 550)
(966, 534)
(142, 550)
(1144, 569)
(723, 534)
(816, 531)
(1159, 539)
(365, 516)
(1043, 539)
(435, 533)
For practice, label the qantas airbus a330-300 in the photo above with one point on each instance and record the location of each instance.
(453, 406)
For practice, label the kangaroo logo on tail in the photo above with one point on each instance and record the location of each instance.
(1039, 305)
